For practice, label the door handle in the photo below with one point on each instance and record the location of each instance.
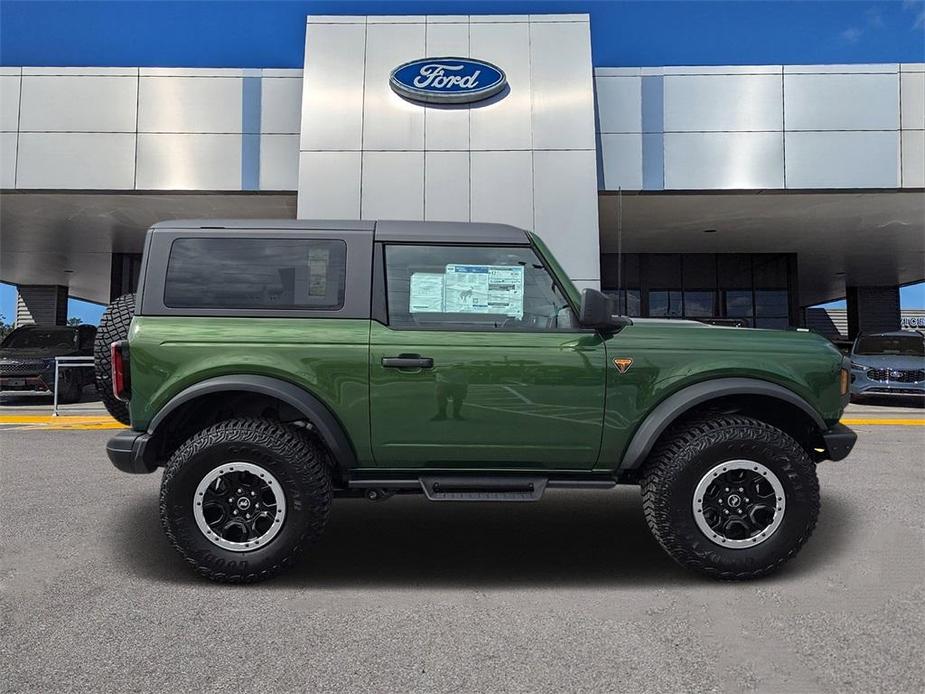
(408, 361)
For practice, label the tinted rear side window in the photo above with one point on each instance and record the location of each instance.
(238, 273)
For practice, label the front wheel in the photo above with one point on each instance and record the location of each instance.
(241, 499)
(730, 496)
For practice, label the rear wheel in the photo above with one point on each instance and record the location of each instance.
(730, 496)
(114, 326)
(241, 499)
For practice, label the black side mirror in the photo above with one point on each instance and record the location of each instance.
(599, 311)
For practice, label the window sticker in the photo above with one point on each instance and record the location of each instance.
(484, 289)
(426, 293)
(318, 261)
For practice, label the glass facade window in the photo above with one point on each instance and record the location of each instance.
(753, 290)
(629, 301)
(665, 304)
(698, 304)
(739, 303)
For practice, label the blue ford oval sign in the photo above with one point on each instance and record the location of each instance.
(447, 80)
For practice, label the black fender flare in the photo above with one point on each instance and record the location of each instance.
(675, 405)
(326, 425)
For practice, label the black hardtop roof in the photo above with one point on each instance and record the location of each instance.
(443, 232)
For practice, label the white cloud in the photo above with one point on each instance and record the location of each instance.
(917, 6)
(851, 34)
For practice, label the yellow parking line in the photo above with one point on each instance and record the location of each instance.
(865, 421)
(40, 421)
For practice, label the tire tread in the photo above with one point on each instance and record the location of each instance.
(670, 456)
(303, 454)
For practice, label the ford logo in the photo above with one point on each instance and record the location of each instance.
(447, 80)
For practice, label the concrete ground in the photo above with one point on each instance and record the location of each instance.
(569, 594)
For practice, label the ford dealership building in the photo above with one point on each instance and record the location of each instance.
(739, 193)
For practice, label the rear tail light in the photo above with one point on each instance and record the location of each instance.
(121, 382)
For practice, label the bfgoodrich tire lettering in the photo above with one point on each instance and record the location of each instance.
(294, 459)
(690, 451)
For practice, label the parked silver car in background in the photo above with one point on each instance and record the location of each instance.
(888, 364)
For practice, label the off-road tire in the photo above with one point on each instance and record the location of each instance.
(296, 460)
(113, 327)
(687, 453)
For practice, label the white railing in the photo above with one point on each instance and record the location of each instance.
(68, 363)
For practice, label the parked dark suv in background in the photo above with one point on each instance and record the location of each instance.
(27, 359)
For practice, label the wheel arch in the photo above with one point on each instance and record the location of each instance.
(768, 401)
(261, 390)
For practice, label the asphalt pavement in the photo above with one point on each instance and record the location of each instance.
(568, 594)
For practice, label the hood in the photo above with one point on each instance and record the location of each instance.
(888, 361)
(697, 335)
(33, 353)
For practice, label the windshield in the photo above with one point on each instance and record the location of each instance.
(41, 337)
(901, 345)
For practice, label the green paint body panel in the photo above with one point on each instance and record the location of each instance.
(508, 399)
(670, 355)
(327, 357)
(494, 400)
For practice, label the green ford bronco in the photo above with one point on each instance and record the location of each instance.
(271, 366)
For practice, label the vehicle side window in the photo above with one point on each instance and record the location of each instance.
(472, 288)
(265, 273)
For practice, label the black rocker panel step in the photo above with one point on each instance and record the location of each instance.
(470, 488)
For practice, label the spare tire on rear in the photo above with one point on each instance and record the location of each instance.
(113, 327)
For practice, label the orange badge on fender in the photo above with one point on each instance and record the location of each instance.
(622, 363)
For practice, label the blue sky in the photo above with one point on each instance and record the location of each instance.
(251, 33)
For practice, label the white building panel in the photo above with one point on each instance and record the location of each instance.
(393, 185)
(913, 143)
(619, 104)
(446, 186)
(704, 161)
(912, 94)
(723, 103)
(447, 127)
(188, 162)
(88, 161)
(78, 104)
(841, 101)
(329, 185)
(502, 188)
(621, 155)
(389, 121)
(504, 121)
(565, 193)
(7, 160)
(279, 162)
(280, 105)
(332, 100)
(563, 86)
(843, 159)
(189, 105)
(9, 103)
